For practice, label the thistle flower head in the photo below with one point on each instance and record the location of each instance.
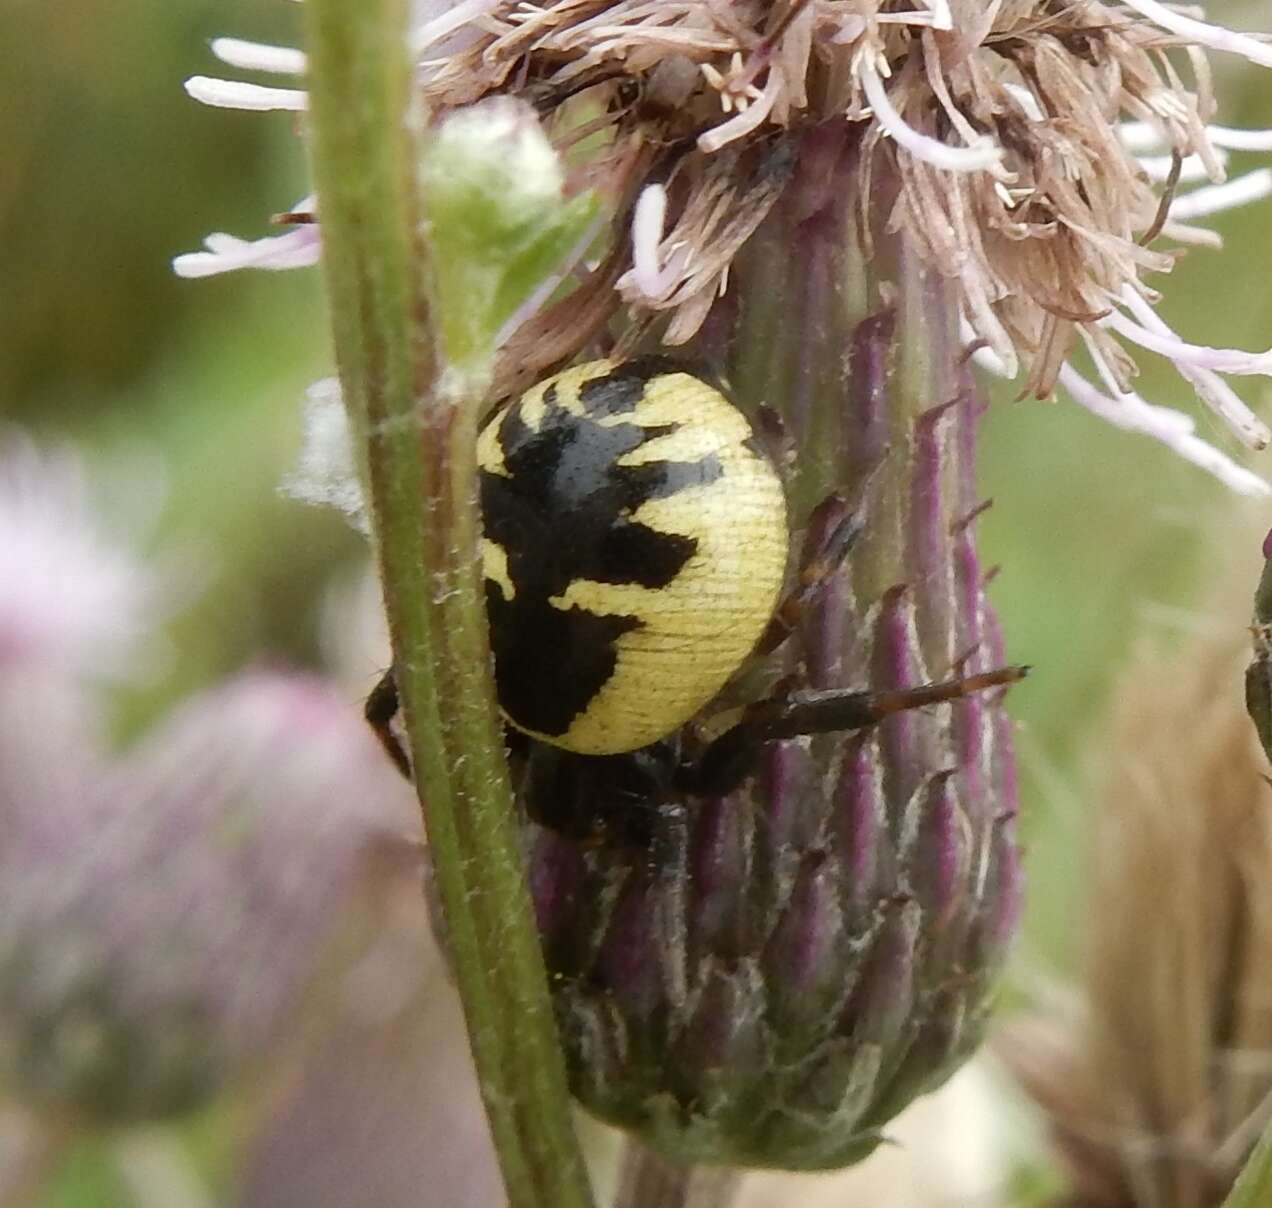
(78, 608)
(1041, 158)
(840, 206)
(159, 910)
(150, 950)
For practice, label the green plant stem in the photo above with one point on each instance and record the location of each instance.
(418, 448)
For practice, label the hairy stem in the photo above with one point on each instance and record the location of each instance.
(418, 449)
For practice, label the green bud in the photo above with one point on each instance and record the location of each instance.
(498, 220)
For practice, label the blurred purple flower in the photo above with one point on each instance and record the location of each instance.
(159, 911)
(383, 1100)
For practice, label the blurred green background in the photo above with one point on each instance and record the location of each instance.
(110, 170)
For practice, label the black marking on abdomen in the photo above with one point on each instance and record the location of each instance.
(635, 553)
(564, 512)
(620, 390)
(550, 662)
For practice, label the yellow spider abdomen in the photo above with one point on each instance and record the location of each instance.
(635, 545)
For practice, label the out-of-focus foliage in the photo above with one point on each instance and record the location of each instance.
(1149, 1075)
(110, 170)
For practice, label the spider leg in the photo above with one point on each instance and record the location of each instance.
(727, 761)
(833, 529)
(380, 710)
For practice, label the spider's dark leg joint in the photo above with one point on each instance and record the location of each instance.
(656, 826)
(552, 797)
(839, 527)
(725, 764)
(832, 710)
(732, 756)
(622, 801)
(380, 710)
(770, 431)
(833, 529)
(649, 814)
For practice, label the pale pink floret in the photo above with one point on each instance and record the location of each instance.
(235, 94)
(257, 56)
(651, 276)
(1214, 36)
(1132, 413)
(978, 158)
(434, 23)
(297, 248)
(1239, 191)
(1172, 428)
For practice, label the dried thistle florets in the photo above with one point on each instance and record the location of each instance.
(1034, 150)
(1003, 127)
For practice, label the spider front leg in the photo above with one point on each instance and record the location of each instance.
(732, 756)
(833, 529)
(829, 536)
(380, 709)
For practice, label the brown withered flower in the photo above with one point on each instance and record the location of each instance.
(1155, 1078)
(839, 206)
